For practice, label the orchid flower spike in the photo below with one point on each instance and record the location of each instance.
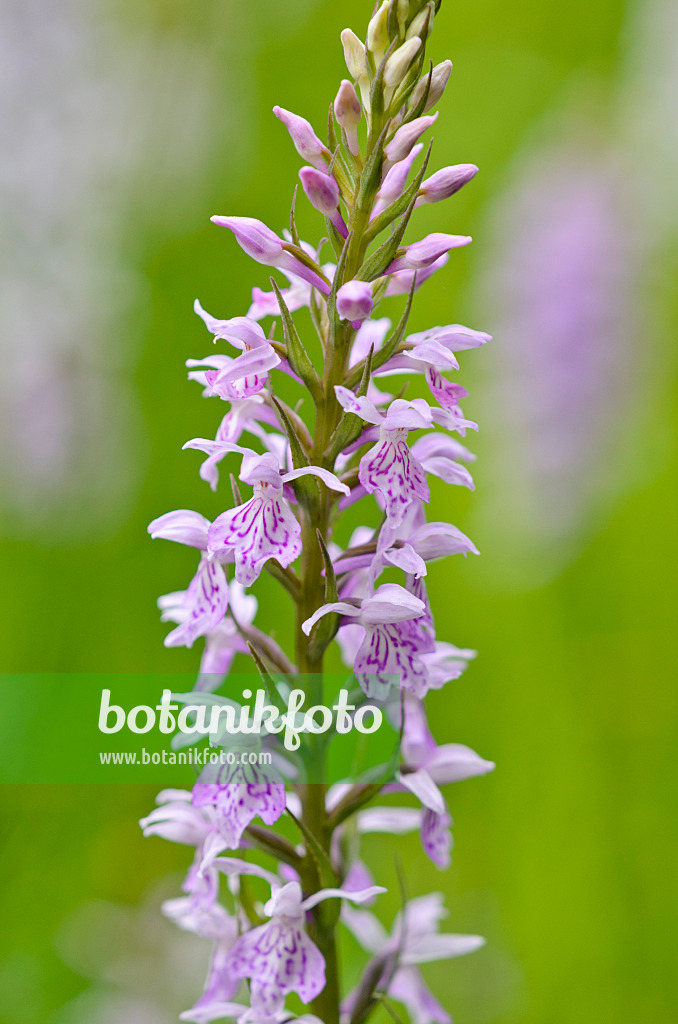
(337, 423)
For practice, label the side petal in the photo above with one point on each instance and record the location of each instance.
(397, 820)
(407, 559)
(360, 406)
(361, 896)
(334, 606)
(424, 788)
(409, 988)
(182, 526)
(428, 948)
(366, 928)
(205, 604)
(453, 762)
(332, 481)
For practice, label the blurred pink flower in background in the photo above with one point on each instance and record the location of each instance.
(564, 385)
(575, 298)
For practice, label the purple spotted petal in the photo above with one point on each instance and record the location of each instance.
(394, 473)
(237, 803)
(264, 527)
(204, 605)
(221, 985)
(436, 837)
(386, 657)
(445, 392)
(278, 958)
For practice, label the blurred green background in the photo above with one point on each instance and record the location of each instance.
(128, 125)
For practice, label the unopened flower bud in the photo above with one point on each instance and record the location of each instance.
(445, 183)
(264, 246)
(321, 189)
(398, 63)
(377, 32)
(403, 140)
(348, 112)
(439, 79)
(254, 237)
(422, 254)
(354, 54)
(394, 183)
(401, 283)
(355, 302)
(424, 16)
(323, 193)
(306, 142)
(403, 13)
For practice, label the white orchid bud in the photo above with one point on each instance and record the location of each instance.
(403, 13)
(354, 54)
(417, 25)
(398, 63)
(377, 33)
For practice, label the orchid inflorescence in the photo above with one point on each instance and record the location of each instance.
(348, 441)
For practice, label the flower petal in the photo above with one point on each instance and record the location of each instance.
(182, 526)
(332, 481)
(362, 896)
(334, 606)
(360, 406)
(391, 603)
(264, 527)
(424, 788)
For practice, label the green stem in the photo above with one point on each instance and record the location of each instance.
(310, 596)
